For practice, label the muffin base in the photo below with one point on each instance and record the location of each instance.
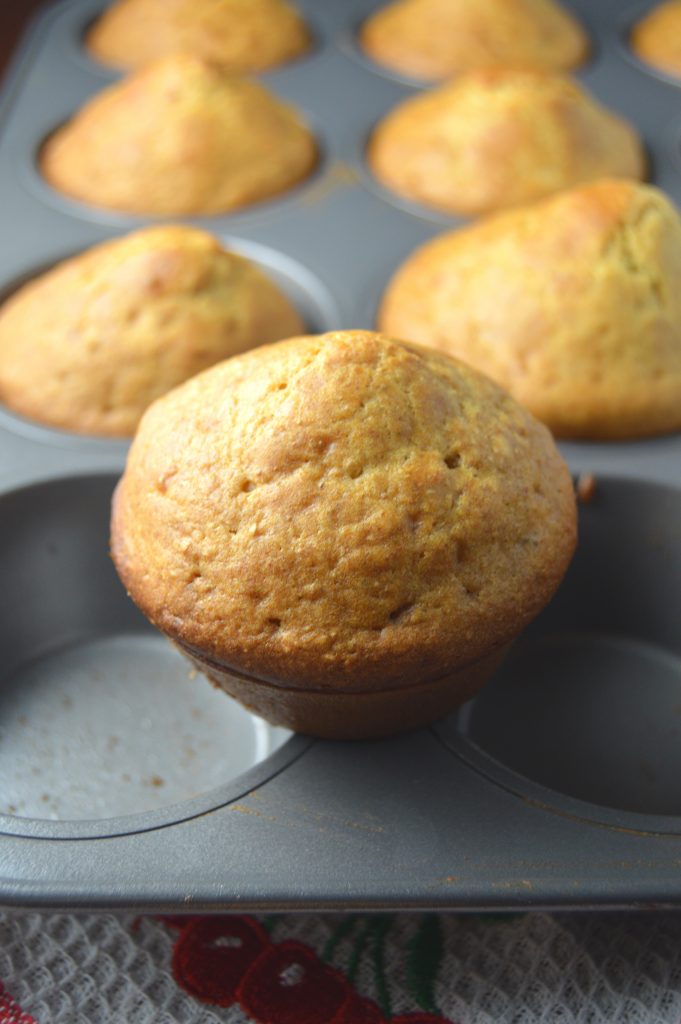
(330, 714)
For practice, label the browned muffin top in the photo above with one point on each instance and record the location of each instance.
(571, 303)
(343, 511)
(88, 345)
(180, 136)
(242, 35)
(441, 38)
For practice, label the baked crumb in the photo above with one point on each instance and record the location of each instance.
(585, 488)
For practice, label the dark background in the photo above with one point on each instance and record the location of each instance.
(14, 17)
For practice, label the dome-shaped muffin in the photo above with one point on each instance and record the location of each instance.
(572, 304)
(88, 345)
(344, 531)
(495, 138)
(434, 39)
(181, 136)
(656, 38)
(241, 35)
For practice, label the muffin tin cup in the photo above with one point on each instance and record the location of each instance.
(98, 714)
(306, 292)
(587, 708)
(128, 780)
(268, 206)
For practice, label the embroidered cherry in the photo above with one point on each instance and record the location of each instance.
(289, 984)
(213, 953)
(180, 921)
(356, 1010)
(11, 1012)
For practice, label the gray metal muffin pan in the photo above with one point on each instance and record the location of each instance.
(126, 783)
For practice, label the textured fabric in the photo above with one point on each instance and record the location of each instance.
(341, 969)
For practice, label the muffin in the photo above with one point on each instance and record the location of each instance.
(241, 35)
(495, 138)
(345, 532)
(434, 39)
(656, 38)
(181, 136)
(572, 304)
(88, 345)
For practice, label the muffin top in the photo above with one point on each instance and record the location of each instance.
(180, 136)
(88, 345)
(498, 137)
(241, 35)
(656, 38)
(571, 303)
(434, 39)
(344, 511)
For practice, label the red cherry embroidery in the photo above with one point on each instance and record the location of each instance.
(289, 984)
(213, 953)
(10, 1011)
(356, 1010)
(180, 921)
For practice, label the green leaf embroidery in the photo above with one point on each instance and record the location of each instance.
(425, 952)
(337, 936)
(381, 927)
(360, 944)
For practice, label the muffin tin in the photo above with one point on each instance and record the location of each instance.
(126, 783)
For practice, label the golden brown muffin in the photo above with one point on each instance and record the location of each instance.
(88, 345)
(344, 531)
(179, 137)
(434, 39)
(496, 138)
(572, 304)
(241, 35)
(656, 38)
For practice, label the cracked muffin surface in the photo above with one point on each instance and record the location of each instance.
(498, 137)
(180, 136)
(572, 304)
(241, 35)
(344, 513)
(114, 327)
(434, 39)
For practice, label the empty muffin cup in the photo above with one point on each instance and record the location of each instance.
(98, 717)
(588, 704)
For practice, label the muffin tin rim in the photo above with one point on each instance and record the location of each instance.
(175, 813)
(550, 800)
